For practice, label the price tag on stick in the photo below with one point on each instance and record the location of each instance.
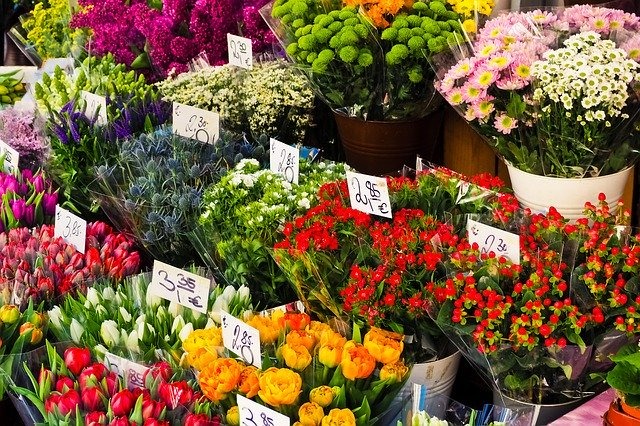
(285, 160)
(11, 157)
(241, 339)
(174, 284)
(196, 123)
(96, 107)
(71, 228)
(240, 51)
(254, 414)
(369, 194)
(488, 238)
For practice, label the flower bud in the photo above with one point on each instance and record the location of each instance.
(9, 314)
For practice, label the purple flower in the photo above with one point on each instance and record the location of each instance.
(38, 182)
(49, 202)
(18, 208)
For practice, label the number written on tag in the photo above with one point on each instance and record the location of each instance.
(285, 160)
(196, 123)
(132, 372)
(11, 157)
(240, 51)
(185, 288)
(95, 107)
(71, 228)
(241, 339)
(490, 239)
(369, 194)
(254, 414)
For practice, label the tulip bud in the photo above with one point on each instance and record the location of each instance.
(92, 399)
(9, 314)
(175, 309)
(122, 403)
(95, 418)
(132, 342)
(110, 333)
(64, 383)
(36, 333)
(233, 416)
(178, 324)
(77, 359)
(55, 315)
(93, 297)
(77, 330)
(184, 333)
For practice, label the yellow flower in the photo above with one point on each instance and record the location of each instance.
(9, 314)
(336, 339)
(233, 416)
(36, 333)
(330, 355)
(339, 417)
(322, 395)
(386, 347)
(301, 337)
(202, 346)
(296, 357)
(318, 329)
(310, 414)
(469, 25)
(280, 386)
(356, 362)
(249, 382)
(201, 357)
(219, 378)
(393, 372)
(268, 328)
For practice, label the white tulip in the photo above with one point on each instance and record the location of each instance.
(178, 323)
(185, 332)
(244, 293)
(210, 324)
(228, 292)
(55, 317)
(108, 294)
(126, 316)
(132, 342)
(92, 296)
(152, 300)
(141, 319)
(77, 330)
(175, 309)
(101, 311)
(110, 333)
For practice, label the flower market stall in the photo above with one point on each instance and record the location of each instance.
(212, 214)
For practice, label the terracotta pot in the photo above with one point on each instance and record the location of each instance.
(615, 416)
(384, 147)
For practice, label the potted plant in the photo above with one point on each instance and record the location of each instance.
(556, 96)
(540, 327)
(368, 62)
(624, 378)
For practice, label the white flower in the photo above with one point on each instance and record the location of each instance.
(101, 311)
(244, 294)
(185, 331)
(132, 342)
(92, 296)
(77, 330)
(152, 300)
(175, 309)
(126, 316)
(178, 323)
(110, 333)
(55, 316)
(108, 293)
(229, 292)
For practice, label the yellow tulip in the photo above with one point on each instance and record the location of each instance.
(339, 417)
(310, 414)
(268, 328)
(301, 337)
(386, 347)
(249, 383)
(393, 372)
(280, 386)
(233, 416)
(322, 395)
(219, 378)
(330, 355)
(296, 357)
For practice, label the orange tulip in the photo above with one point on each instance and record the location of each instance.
(296, 357)
(280, 386)
(394, 372)
(249, 383)
(386, 347)
(356, 362)
(301, 337)
(310, 414)
(219, 378)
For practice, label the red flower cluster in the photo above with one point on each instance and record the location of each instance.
(34, 264)
(97, 394)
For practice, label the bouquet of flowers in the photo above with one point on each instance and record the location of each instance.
(368, 59)
(24, 132)
(35, 266)
(243, 215)
(163, 37)
(69, 387)
(270, 99)
(346, 264)
(154, 186)
(133, 323)
(27, 200)
(310, 372)
(554, 93)
(537, 329)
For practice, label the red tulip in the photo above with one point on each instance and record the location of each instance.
(111, 384)
(92, 399)
(95, 418)
(65, 403)
(45, 376)
(156, 422)
(200, 420)
(120, 421)
(76, 359)
(122, 402)
(152, 409)
(92, 375)
(64, 383)
(160, 369)
(175, 393)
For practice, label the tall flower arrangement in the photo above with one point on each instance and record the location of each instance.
(554, 93)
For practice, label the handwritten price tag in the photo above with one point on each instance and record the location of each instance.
(132, 373)
(241, 339)
(196, 123)
(180, 286)
(285, 160)
(254, 414)
(488, 238)
(96, 106)
(71, 228)
(369, 194)
(11, 157)
(240, 51)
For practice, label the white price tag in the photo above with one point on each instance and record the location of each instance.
(241, 339)
(369, 194)
(132, 372)
(96, 106)
(254, 414)
(174, 284)
(71, 228)
(11, 157)
(285, 160)
(488, 238)
(240, 51)
(66, 64)
(196, 123)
